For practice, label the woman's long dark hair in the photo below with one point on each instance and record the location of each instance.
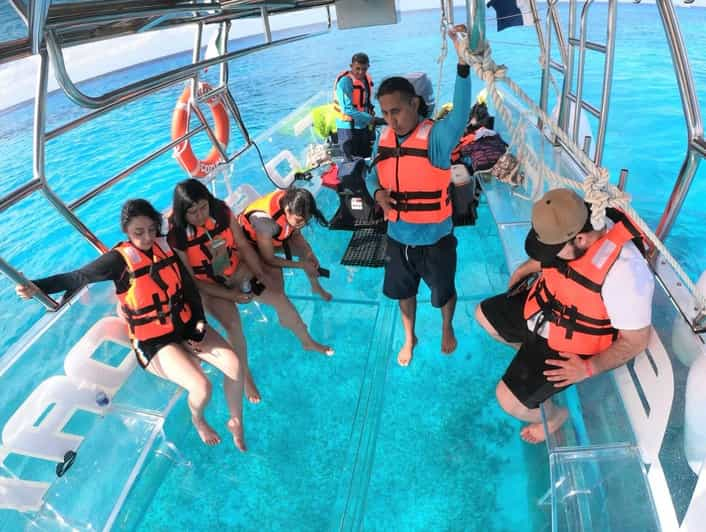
(186, 194)
(301, 202)
(405, 87)
(139, 207)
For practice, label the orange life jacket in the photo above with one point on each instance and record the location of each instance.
(155, 296)
(569, 293)
(203, 251)
(420, 189)
(269, 204)
(360, 97)
(465, 141)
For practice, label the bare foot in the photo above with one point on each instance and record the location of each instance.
(208, 435)
(251, 391)
(404, 357)
(321, 348)
(448, 341)
(326, 296)
(534, 432)
(236, 429)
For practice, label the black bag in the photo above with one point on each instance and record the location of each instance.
(357, 208)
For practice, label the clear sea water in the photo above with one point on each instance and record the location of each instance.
(440, 436)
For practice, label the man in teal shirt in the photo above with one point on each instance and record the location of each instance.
(420, 250)
(353, 90)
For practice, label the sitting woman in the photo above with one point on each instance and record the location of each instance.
(168, 331)
(212, 244)
(273, 223)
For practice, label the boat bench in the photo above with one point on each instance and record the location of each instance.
(597, 458)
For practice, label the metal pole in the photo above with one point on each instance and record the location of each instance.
(147, 85)
(266, 24)
(607, 80)
(569, 72)
(579, 76)
(475, 22)
(38, 159)
(18, 278)
(692, 115)
(681, 188)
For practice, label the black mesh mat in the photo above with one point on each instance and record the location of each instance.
(366, 248)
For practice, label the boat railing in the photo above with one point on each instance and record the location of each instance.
(696, 146)
(105, 103)
(571, 104)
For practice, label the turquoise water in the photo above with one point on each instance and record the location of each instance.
(433, 449)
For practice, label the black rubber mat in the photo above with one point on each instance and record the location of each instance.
(366, 248)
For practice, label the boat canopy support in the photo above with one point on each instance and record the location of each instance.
(572, 104)
(696, 146)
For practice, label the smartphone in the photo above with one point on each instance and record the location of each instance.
(522, 285)
(257, 287)
(323, 272)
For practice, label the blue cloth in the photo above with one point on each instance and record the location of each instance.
(344, 92)
(507, 12)
(443, 138)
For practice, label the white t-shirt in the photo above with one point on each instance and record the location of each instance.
(627, 292)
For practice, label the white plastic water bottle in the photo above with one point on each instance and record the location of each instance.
(102, 399)
(246, 286)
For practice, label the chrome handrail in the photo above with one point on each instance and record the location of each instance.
(696, 147)
(38, 166)
(151, 83)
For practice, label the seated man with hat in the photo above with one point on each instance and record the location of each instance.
(589, 311)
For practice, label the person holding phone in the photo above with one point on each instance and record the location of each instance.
(273, 224)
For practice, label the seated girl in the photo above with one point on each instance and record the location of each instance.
(167, 327)
(220, 257)
(273, 223)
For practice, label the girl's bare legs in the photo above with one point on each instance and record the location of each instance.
(227, 314)
(286, 312)
(216, 351)
(175, 364)
(300, 248)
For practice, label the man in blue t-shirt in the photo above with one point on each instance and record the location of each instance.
(410, 179)
(352, 98)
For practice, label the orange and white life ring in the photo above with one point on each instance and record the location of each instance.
(183, 152)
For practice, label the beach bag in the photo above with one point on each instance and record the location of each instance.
(485, 152)
(507, 170)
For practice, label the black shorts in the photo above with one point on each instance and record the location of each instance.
(525, 374)
(146, 350)
(406, 265)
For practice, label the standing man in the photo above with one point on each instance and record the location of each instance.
(589, 311)
(410, 179)
(352, 100)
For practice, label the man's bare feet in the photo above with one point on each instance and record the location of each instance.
(251, 391)
(236, 428)
(534, 432)
(404, 357)
(207, 434)
(321, 348)
(448, 341)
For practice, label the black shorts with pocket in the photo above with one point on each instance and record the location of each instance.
(525, 375)
(406, 265)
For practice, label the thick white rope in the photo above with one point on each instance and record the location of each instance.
(444, 24)
(598, 191)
